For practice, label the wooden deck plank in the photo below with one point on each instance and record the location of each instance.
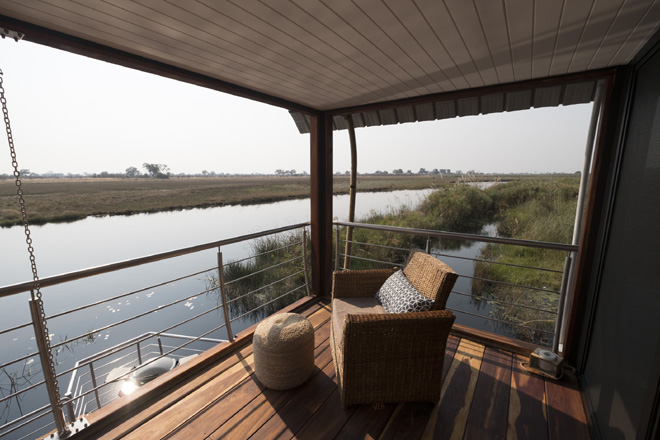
(485, 394)
(368, 422)
(295, 413)
(566, 417)
(449, 417)
(261, 409)
(527, 408)
(222, 408)
(408, 421)
(327, 421)
(191, 404)
(490, 405)
(135, 416)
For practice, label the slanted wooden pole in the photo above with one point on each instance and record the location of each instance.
(352, 190)
(321, 202)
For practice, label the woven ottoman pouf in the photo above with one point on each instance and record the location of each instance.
(283, 351)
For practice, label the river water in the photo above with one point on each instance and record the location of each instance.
(66, 247)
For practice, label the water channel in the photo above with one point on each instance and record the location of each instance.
(67, 247)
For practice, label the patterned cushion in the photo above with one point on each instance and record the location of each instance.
(398, 295)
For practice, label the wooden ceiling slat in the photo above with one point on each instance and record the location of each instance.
(185, 26)
(347, 40)
(520, 18)
(405, 114)
(468, 23)
(570, 30)
(435, 59)
(639, 19)
(371, 118)
(208, 47)
(443, 26)
(496, 30)
(371, 40)
(267, 41)
(547, 16)
(345, 53)
(595, 31)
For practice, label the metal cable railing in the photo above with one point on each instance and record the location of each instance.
(286, 263)
(502, 311)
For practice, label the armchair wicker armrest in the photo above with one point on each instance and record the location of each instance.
(392, 357)
(358, 283)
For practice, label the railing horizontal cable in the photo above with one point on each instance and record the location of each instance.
(23, 358)
(252, 257)
(369, 259)
(92, 271)
(23, 417)
(262, 270)
(501, 321)
(485, 298)
(264, 287)
(462, 236)
(504, 283)
(18, 327)
(145, 337)
(123, 295)
(100, 329)
(269, 302)
(24, 390)
(480, 260)
(151, 360)
(380, 246)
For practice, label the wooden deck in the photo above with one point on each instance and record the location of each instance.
(485, 395)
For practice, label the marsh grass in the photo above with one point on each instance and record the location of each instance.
(541, 211)
(64, 200)
(271, 277)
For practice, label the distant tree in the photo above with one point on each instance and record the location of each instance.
(280, 172)
(422, 171)
(435, 171)
(157, 170)
(409, 172)
(25, 172)
(205, 173)
(132, 172)
(398, 171)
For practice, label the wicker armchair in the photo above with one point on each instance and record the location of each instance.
(385, 357)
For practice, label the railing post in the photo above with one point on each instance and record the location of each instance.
(337, 248)
(225, 306)
(562, 298)
(69, 406)
(160, 345)
(139, 352)
(46, 362)
(428, 244)
(305, 268)
(96, 390)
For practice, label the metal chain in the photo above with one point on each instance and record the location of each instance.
(36, 291)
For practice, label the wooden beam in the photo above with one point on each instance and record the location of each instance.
(321, 202)
(591, 75)
(609, 132)
(62, 41)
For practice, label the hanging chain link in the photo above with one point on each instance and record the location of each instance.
(36, 291)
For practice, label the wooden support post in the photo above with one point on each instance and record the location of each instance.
(321, 202)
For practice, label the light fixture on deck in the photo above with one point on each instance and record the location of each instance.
(16, 36)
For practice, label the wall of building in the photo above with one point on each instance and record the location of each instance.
(620, 362)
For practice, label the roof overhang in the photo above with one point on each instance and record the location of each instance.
(310, 56)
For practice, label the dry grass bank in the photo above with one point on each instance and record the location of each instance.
(60, 200)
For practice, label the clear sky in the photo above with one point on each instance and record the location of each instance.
(75, 114)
